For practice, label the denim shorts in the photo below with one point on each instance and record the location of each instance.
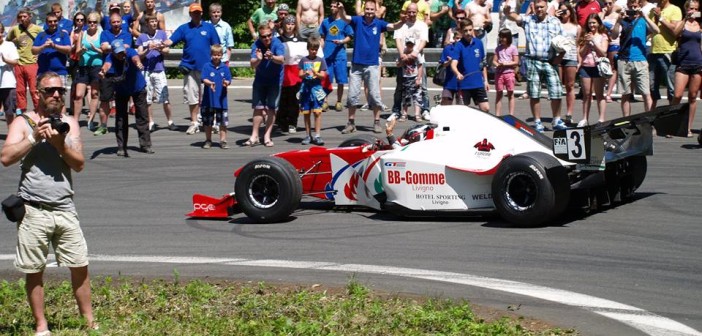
(589, 72)
(265, 96)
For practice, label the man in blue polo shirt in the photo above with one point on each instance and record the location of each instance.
(365, 65)
(129, 82)
(63, 23)
(467, 65)
(52, 46)
(336, 33)
(198, 36)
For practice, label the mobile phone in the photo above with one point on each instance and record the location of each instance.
(696, 15)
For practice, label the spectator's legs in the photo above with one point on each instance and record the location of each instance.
(586, 85)
(80, 281)
(626, 104)
(257, 121)
(32, 81)
(425, 93)
(122, 121)
(397, 96)
(355, 82)
(79, 91)
(660, 72)
(535, 105)
(142, 119)
(35, 295)
(598, 87)
(372, 79)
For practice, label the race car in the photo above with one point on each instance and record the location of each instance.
(463, 162)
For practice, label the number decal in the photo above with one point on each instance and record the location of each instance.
(576, 151)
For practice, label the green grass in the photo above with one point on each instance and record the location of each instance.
(129, 307)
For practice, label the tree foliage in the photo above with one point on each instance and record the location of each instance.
(237, 12)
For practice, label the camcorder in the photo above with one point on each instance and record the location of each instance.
(631, 12)
(58, 125)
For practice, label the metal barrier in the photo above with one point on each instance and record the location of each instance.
(241, 57)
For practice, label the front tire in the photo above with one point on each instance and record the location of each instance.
(268, 190)
(530, 189)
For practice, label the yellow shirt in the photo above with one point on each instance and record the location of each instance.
(24, 42)
(664, 42)
(422, 9)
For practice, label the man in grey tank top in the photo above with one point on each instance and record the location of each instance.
(48, 146)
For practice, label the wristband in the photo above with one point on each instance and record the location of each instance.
(31, 139)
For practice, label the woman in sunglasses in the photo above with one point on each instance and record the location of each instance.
(87, 47)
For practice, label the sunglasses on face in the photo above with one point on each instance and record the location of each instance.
(540, 7)
(267, 36)
(52, 21)
(80, 20)
(52, 90)
(92, 22)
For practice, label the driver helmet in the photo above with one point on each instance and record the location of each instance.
(418, 133)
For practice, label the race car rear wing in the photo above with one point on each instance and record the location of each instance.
(593, 146)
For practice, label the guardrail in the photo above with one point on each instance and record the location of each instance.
(241, 57)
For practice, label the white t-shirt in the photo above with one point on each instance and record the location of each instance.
(417, 31)
(7, 74)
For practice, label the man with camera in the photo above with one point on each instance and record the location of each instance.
(49, 147)
(632, 28)
(663, 44)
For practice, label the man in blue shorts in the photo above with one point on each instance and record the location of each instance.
(467, 65)
(336, 33)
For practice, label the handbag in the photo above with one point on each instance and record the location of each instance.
(440, 76)
(604, 67)
(13, 207)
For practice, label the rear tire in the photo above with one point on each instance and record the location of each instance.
(530, 189)
(268, 190)
(360, 140)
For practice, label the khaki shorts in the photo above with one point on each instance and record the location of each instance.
(38, 228)
(192, 88)
(636, 71)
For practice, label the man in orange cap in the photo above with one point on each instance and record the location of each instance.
(198, 36)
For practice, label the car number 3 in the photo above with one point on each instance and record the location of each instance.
(575, 144)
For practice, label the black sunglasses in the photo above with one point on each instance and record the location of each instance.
(267, 36)
(53, 89)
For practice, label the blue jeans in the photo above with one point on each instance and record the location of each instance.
(661, 71)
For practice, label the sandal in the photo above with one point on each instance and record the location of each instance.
(417, 117)
(609, 99)
(403, 118)
(251, 143)
(268, 143)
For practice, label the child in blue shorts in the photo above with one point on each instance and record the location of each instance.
(216, 78)
(312, 70)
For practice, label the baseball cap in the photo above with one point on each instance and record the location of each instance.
(118, 46)
(289, 19)
(114, 5)
(409, 40)
(195, 7)
(283, 8)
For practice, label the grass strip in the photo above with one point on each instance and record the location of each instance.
(158, 307)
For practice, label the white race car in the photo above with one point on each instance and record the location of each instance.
(464, 162)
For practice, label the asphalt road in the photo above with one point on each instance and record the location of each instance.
(644, 254)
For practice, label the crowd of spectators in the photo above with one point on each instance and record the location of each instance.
(647, 44)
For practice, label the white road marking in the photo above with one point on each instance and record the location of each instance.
(647, 322)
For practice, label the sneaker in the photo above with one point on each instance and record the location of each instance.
(223, 145)
(100, 131)
(539, 126)
(338, 106)
(292, 129)
(559, 125)
(207, 145)
(318, 141)
(194, 128)
(91, 127)
(425, 115)
(376, 127)
(350, 128)
(582, 123)
(215, 129)
(364, 107)
(569, 120)
(122, 152)
(172, 126)
(325, 107)
(307, 140)
(147, 150)
(152, 126)
(392, 117)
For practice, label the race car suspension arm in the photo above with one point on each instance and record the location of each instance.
(303, 173)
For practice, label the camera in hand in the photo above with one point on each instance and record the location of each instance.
(58, 125)
(630, 12)
(696, 15)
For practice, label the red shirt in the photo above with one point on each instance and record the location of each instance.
(584, 9)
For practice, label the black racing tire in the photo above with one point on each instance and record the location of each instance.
(268, 190)
(360, 140)
(530, 189)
